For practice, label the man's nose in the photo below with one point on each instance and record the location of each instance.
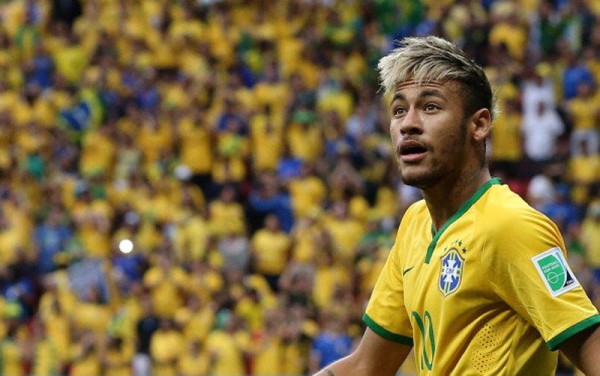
(411, 122)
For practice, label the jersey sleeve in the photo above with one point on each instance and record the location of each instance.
(528, 269)
(386, 314)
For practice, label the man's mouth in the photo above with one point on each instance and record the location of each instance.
(411, 151)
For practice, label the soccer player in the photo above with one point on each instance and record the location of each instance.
(477, 281)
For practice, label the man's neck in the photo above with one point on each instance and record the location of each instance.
(444, 200)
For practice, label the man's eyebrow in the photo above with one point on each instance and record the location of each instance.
(397, 96)
(423, 94)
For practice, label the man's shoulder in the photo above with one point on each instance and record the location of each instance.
(504, 210)
(501, 200)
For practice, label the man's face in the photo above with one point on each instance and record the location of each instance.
(428, 131)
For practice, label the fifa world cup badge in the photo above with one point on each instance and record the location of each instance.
(555, 271)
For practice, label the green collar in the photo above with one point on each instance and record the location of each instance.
(462, 210)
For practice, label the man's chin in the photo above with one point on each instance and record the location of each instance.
(418, 180)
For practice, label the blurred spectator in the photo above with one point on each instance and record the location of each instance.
(288, 166)
(372, 251)
(40, 72)
(196, 140)
(508, 29)
(146, 326)
(127, 268)
(583, 173)
(506, 141)
(116, 359)
(337, 139)
(574, 74)
(305, 236)
(585, 117)
(226, 345)
(85, 355)
(98, 152)
(297, 283)
(226, 214)
(196, 319)
(54, 314)
(332, 343)
(66, 11)
(86, 274)
(362, 121)
(165, 281)
(18, 283)
(12, 351)
(541, 129)
(329, 274)
(542, 126)
(344, 229)
(166, 346)
(91, 313)
(270, 197)
(304, 135)
(268, 347)
(541, 190)
(194, 361)
(344, 179)
(52, 236)
(307, 191)
(266, 139)
(537, 86)
(562, 210)
(43, 358)
(231, 115)
(270, 251)
(548, 26)
(235, 251)
(233, 147)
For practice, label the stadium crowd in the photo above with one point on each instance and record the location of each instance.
(207, 187)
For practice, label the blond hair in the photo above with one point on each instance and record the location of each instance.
(423, 59)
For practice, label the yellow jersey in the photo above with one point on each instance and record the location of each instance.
(506, 137)
(11, 358)
(583, 111)
(489, 293)
(271, 250)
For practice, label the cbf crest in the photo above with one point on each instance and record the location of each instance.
(451, 269)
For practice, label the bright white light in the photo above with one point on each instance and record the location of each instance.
(126, 246)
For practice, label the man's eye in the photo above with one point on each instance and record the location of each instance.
(431, 107)
(399, 111)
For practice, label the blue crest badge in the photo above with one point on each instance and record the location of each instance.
(451, 273)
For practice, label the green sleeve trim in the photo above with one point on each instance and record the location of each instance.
(555, 342)
(462, 210)
(386, 333)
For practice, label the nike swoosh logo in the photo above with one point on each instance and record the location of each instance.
(407, 270)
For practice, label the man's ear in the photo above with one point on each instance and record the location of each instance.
(481, 124)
